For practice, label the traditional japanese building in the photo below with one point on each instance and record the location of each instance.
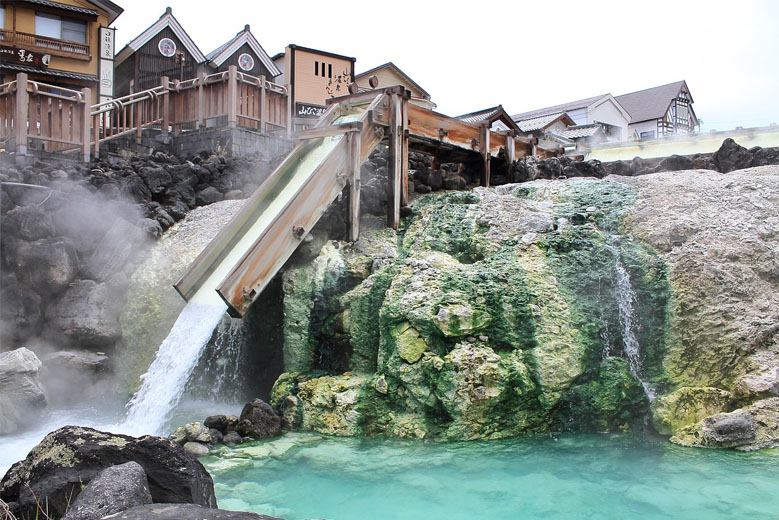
(388, 75)
(313, 76)
(246, 53)
(660, 111)
(67, 43)
(164, 49)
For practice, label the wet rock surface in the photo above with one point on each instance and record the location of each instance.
(185, 512)
(21, 394)
(71, 456)
(113, 490)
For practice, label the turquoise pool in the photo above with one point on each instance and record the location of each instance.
(301, 476)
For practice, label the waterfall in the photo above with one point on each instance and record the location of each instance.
(626, 301)
(161, 386)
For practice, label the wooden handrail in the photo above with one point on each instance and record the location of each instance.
(67, 48)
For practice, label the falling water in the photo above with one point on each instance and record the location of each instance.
(626, 301)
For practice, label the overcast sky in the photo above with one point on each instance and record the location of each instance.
(523, 55)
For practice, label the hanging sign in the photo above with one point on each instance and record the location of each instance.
(24, 57)
(106, 79)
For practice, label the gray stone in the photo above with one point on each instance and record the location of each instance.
(21, 394)
(259, 420)
(184, 512)
(32, 222)
(232, 437)
(192, 432)
(87, 314)
(113, 490)
(196, 448)
(48, 265)
(207, 196)
(729, 429)
(731, 156)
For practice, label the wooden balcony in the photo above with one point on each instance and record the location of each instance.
(46, 45)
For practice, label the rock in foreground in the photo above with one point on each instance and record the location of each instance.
(184, 512)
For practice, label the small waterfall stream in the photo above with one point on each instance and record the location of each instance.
(626, 301)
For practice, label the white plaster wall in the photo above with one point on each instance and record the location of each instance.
(579, 116)
(607, 112)
(645, 126)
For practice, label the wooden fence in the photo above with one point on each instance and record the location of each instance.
(64, 120)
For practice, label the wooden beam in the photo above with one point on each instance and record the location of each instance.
(395, 166)
(510, 150)
(263, 108)
(355, 160)
(484, 146)
(86, 107)
(404, 152)
(201, 101)
(327, 131)
(165, 81)
(232, 95)
(20, 115)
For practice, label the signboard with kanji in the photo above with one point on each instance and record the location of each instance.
(24, 57)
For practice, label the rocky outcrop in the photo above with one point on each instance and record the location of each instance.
(546, 305)
(259, 420)
(21, 395)
(113, 490)
(55, 470)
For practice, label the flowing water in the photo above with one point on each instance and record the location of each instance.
(626, 301)
(565, 477)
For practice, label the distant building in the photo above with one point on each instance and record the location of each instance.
(603, 111)
(246, 53)
(66, 43)
(313, 76)
(660, 111)
(389, 75)
(164, 49)
(496, 118)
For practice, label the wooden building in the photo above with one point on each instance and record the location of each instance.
(389, 75)
(660, 111)
(164, 49)
(313, 76)
(66, 43)
(246, 53)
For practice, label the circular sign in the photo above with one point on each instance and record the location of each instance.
(246, 62)
(167, 47)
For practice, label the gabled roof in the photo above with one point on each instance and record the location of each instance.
(109, 7)
(166, 20)
(579, 131)
(491, 115)
(544, 122)
(219, 55)
(395, 68)
(557, 109)
(651, 103)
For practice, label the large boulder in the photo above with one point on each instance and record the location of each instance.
(21, 394)
(87, 314)
(55, 470)
(184, 512)
(47, 265)
(113, 490)
(259, 420)
(731, 156)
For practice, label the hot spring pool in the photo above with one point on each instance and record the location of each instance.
(301, 476)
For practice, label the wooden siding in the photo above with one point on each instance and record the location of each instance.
(258, 70)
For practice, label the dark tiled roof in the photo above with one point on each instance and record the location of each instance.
(537, 123)
(49, 72)
(66, 7)
(578, 131)
(651, 103)
(565, 107)
(481, 115)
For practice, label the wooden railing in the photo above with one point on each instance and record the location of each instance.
(55, 117)
(51, 45)
(129, 115)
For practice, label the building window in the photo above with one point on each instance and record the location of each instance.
(329, 70)
(60, 28)
(316, 68)
(648, 135)
(2, 17)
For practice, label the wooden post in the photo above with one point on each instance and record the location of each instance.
(484, 142)
(354, 145)
(404, 152)
(96, 133)
(201, 101)
(395, 166)
(510, 150)
(290, 126)
(232, 96)
(86, 108)
(20, 115)
(263, 110)
(138, 119)
(165, 81)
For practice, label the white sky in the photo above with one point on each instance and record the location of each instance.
(524, 55)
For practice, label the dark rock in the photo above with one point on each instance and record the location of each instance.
(6, 203)
(134, 188)
(455, 182)
(32, 222)
(55, 470)
(435, 179)
(731, 156)
(177, 209)
(151, 227)
(406, 211)
(48, 265)
(207, 196)
(422, 188)
(765, 157)
(113, 490)
(674, 163)
(223, 423)
(259, 420)
(702, 161)
(618, 168)
(185, 512)
(77, 360)
(20, 311)
(216, 436)
(729, 429)
(232, 438)
(183, 192)
(591, 168)
(118, 247)
(88, 314)
(156, 179)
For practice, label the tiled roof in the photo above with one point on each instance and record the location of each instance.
(481, 115)
(48, 72)
(219, 55)
(75, 9)
(397, 70)
(651, 103)
(557, 109)
(536, 123)
(578, 131)
(166, 20)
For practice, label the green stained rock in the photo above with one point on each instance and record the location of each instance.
(686, 407)
(331, 404)
(408, 342)
(458, 318)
